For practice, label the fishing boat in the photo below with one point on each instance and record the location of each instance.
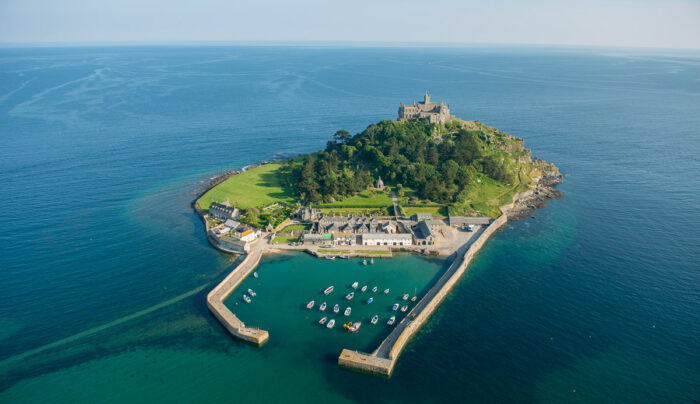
(371, 261)
(404, 308)
(370, 300)
(310, 304)
(350, 295)
(405, 296)
(330, 323)
(348, 311)
(386, 291)
(323, 306)
(328, 290)
(246, 298)
(323, 320)
(336, 308)
(395, 306)
(364, 288)
(392, 320)
(251, 292)
(354, 327)
(255, 274)
(374, 319)
(355, 285)
(374, 289)
(364, 262)
(330, 257)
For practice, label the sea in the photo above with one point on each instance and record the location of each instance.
(104, 266)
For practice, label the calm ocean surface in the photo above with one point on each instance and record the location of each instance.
(104, 267)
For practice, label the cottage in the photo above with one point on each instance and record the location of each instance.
(386, 239)
(232, 224)
(249, 235)
(312, 238)
(222, 211)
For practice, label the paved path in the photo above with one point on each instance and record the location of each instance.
(397, 209)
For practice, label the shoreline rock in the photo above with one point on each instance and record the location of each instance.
(537, 198)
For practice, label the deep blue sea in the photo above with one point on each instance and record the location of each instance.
(104, 268)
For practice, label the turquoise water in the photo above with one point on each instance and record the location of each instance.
(105, 268)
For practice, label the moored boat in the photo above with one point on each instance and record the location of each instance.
(364, 288)
(386, 291)
(246, 298)
(371, 261)
(395, 306)
(343, 257)
(355, 285)
(405, 296)
(392, 320)
(374, 289)
(323, 320)
(370, 300)
(348, 311)
(310, 304)
(328, 290)
(329, 257)
(354, 327)
(251, 292)
(330, 323)
(350, 295)
(255, 274)
(322, 307)
(336, 308)
(404, 308)
(364, 262)
(374, 319)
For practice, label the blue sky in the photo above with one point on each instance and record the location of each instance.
(640, 23)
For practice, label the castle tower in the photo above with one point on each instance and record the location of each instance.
(426, 98)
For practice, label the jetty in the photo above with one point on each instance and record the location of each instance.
(383, 359)
(215, 299)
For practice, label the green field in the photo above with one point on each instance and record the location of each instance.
(298, 227)
(488, 196)
(355, 211)
(257, 187)
(373, 252)
(434, 210)
(332, 251)
(284, 240)
(362, 200)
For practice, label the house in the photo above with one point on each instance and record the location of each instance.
(386, 239)
(463, 221)
(389, 227)
(222, 211)
(231, 224)
(424, 234)
(306, 214)
(344, 239)
(249, 235)
(421, 216)
(312, 238)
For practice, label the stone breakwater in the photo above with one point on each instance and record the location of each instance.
(383, 359)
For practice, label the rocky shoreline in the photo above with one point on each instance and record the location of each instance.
(537, 198)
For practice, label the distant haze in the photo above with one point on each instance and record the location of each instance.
(640, 23)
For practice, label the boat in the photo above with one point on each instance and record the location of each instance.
(323, 320)
(386, 291)
(370, 300)
(392, 320)
(329, 257)
(348, 311)
(323, 306)
(374, 319)
(394, 307)
(354, 327)
(374, 289)
(364, 262)
(405, 296)
(371, 261)
(363, 289)
(404, 308)
(246, 298)
(414, 298)
(310, 304)
(350, 295)
(336, 308)
(255, 274)
(328, 290)
(251, 292)
(343, 257)
(355, 285)
(330, 323)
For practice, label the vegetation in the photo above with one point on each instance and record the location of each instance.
(297, 227)
(284, 240)
(332, 251)
(434, 210)
(373, 252)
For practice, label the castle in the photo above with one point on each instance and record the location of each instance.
(432, 111)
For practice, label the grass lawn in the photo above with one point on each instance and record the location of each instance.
(332, 251)
(434, 210)
(285, 240)
(259, 187)
(487, 197)
(375, 252)
(298, 227)
(362, 200)
(356, 211)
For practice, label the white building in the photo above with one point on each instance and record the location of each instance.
(250, 235)
(387, 239)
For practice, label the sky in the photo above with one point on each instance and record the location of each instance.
(617, 23)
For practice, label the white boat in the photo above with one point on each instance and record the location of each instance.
(348, 311)
(246, 298)
(322, 307)
(392, 320)
(328, 290)
(354, 327)
(310, 304)
(255, 274)
(404, 308)
(350, 295)
(343, 256)
(330, 257)
(374, 289)
(363, 289)
(355, 285)
(386, 291)
(336, 308)
(405, 297)
(364, 262)
(395, 306)
(323, 320)
(370, 300)
(371, 261)
(330, 323)
(374, 319)
(251, 292)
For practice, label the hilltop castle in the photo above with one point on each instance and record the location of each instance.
(432, 111)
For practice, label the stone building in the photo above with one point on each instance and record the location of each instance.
(222, 211)
(430, 111)
(386, 239)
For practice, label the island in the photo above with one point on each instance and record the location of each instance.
(425, 183)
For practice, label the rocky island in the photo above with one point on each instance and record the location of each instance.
(427, 183)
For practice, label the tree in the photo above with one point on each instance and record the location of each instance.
(343, 136)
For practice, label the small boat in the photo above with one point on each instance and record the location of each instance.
(246, 298)
(392, 320)
(336, 308)
(415, 295)
(404, 308)
(355, 285)
(255, 274)
(370, 300)
(328, 290)
(374, 319)
(364, 262)
(394, 307)
(251, 292)
(348, 311)
(371, 261)
(310, 304)
(330, 323)
(343, 257)
(350, 295)
(323, 306)
(330, 257)
(354, 327)
(405, 297)
(386, 291)
(374, 289)
(414, 298)
(363, 289)
(323, 320)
